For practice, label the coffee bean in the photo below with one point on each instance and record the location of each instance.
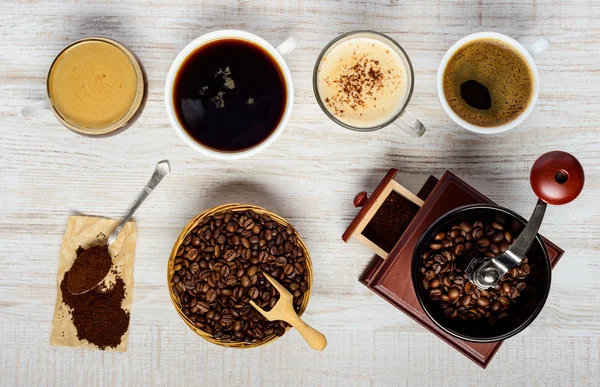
(453, 293)
(436, 246)
(465, 300)
(187, 240)
(226, 292)
(466, 227)
(430, 274)
(483, 242)
(459, 249)
(230, 255)
(483, 301)
(495, 306)
(502, 246)
(253, 293)
(477, 233)
(440, 236)
(434, 283)
(288, 269)
(225, 271)
(245, 242)
(497, 226)
(211, 295)
(245, 280)
(497, 237)
(435, 294)
(298, 268)
(192, 254)
(494, 250)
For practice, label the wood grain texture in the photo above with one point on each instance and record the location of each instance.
(309, 176)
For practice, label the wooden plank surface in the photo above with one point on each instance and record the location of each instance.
(310, 176)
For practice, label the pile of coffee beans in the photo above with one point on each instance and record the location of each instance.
(218, 270)
(444, 279)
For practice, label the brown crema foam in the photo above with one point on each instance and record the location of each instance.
(498, 67)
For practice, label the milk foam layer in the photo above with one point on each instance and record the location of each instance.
(362, 82)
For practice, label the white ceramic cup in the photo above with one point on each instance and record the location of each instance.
(528, 53)
(276, 53)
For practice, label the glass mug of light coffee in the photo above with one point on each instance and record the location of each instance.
(488, 82)
(229, 93)
(94, 86)
(363, 80)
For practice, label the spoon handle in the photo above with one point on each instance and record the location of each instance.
(162, 169)
(315, 339)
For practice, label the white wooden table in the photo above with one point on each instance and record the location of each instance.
(309, 176)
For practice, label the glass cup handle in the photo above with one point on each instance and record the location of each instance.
(35, 108)
(538, 46)
(410, 124)
(287, 46)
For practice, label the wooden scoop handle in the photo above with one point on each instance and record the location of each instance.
(315, 339)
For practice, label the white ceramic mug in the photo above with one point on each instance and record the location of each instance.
(528, 53)
(276, 53)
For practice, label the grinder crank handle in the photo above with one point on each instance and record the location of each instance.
(556, 178)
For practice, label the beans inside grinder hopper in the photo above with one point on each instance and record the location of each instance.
(442, 267)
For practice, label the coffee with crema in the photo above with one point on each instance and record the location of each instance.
(93, 84)
(488, 83)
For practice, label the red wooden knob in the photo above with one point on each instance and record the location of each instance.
(360, 199)
(557, 177)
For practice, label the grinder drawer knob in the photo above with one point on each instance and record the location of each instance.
(360, 199)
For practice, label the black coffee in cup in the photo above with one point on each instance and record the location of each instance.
(229, 95)
(488, 83)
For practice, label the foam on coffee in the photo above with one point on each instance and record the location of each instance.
(488, 83)
(92, 84)
(362, 82)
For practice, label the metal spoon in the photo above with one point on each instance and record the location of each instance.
(162, 169)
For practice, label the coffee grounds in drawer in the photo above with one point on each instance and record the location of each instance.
(390, 221)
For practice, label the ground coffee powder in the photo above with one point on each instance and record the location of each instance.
(390, 221)
(90, 267)
(97, 315)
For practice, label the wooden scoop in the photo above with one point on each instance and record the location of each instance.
(284, 311)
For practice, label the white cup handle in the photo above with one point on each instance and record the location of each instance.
(287, 46)
(538, 46)
(35, 108)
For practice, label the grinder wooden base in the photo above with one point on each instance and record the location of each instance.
(390, 278)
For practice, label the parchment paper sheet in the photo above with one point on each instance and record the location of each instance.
(87, 231)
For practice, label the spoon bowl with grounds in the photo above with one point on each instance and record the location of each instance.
(93, 264)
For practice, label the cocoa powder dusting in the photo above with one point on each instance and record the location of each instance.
(356, 83)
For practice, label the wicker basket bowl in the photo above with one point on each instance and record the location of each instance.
(197, 221)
